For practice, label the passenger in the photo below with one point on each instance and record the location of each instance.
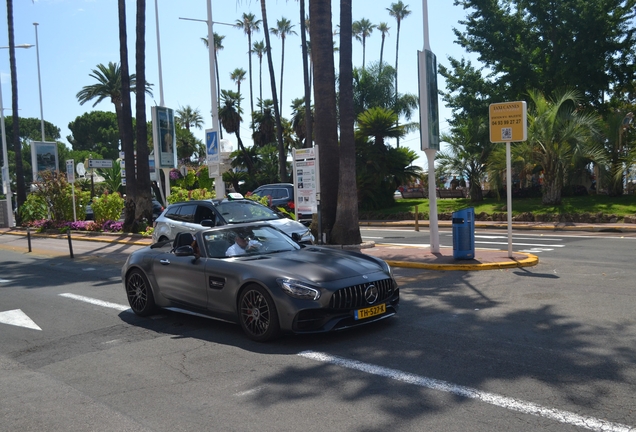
(242, 245)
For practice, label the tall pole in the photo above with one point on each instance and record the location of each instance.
(5, 166)
(37, 53)
(159, 55)
(429, 151)
(215, 107)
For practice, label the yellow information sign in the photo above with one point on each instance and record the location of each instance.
(508, 122)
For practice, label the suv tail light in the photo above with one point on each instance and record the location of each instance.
(290, 204)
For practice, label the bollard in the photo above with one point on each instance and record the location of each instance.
(70, 245)
(29, 238)
(417, 226)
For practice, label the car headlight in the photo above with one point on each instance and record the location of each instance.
(298, 289)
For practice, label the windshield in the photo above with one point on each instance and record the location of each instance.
(245, 211)
(247, 240)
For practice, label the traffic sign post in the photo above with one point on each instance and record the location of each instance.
(70, 176)
(508, 122)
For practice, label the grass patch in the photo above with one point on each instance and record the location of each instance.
(620, 206)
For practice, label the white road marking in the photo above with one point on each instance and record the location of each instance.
(18, 318)
(521, 244)
(512, 404)
(4, 280)
(96, 302)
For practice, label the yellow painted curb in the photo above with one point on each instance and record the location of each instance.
(529, 261)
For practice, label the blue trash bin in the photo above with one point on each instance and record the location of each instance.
(464, 234)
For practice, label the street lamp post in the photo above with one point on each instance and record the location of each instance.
(6, 178)
(37, 54)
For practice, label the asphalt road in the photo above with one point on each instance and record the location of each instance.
(549, 348)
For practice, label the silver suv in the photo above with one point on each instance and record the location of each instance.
(190, 216)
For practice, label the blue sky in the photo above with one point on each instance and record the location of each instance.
(76, 35)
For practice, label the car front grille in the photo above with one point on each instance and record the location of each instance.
(353, 297)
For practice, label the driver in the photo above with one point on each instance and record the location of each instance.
(242, 245)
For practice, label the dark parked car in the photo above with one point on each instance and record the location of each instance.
(280, 195)
(191, 216)
(276, 285)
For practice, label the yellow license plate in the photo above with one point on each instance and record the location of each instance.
(370, 312)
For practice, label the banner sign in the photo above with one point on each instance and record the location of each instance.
(70, 171)
(43, 158)
(164, 136)
(306, 180)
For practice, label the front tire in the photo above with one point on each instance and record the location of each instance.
(258, 315)
(139, 293)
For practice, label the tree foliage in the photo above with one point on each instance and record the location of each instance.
(95, 131)
(549, 45)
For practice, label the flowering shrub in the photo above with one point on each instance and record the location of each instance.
(175, 174)
(112, 226)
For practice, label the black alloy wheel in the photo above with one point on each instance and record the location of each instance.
(139, 294)
(257, 314)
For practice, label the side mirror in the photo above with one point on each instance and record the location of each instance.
(207, 223)
(184, 251)
(296, 237)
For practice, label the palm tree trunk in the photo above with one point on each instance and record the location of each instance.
(282, 66)
(325, 107)
(381, 51)
(15, 119)
(126, 132)
(346, 230)
(308, 116)
(397, 48)
(260, 81)
(249, 53)
(144, 197)
(282, 154)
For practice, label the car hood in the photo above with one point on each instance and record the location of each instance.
(316, 265)
(288, 226)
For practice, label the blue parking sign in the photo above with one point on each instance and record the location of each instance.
(212, 142)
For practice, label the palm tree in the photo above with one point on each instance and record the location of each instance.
(264, 124)
(143, 194)
(249, 24)
(230, 118)
(379, 123)
(399, 11)
(282, 156)
(325, 109)
(259, 49)
(306, 79)
(346, 229)
(126, 128)
(282, 29)
(108, 86)
(17, 145)
(362, 30)
(383, 28)
(467, 153)
(557, 133)
(188, 117)
(238, 76)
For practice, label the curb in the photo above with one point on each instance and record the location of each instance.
(530, 261)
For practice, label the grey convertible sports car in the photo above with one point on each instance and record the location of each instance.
(255, 275)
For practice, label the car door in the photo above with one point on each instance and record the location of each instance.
(181, 278)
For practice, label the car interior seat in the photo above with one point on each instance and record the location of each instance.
(182, 239)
